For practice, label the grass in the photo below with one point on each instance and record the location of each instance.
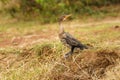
(42, 10)
(34, 62)
(43, 59)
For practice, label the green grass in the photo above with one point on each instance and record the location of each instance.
(46, 13)
(21, 27)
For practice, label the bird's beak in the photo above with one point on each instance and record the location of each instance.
(67, 16)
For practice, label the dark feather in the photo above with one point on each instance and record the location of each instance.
(69, 40)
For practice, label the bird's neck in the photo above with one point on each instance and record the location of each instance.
(61, 30)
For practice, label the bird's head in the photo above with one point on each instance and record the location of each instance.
(64, 17)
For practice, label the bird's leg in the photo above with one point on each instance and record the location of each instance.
(67, 54)
(70, 52)
(72, 49)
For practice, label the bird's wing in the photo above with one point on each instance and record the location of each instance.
(71, 40)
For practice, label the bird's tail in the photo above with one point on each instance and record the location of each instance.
(83, 47)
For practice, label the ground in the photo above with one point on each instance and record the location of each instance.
(32, 51)
(12, 35)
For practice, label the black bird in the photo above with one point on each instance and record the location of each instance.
(67, 39)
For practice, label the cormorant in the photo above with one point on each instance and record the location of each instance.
(67, 39)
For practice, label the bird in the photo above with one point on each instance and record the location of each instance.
(67, 39)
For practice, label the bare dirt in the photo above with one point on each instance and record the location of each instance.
(22, 41)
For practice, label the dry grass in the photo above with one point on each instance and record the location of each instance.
(84, 66)
(113, 73)
(25, 56)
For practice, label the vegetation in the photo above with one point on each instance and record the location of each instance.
(42, 9)
(30, 50)
(37, 54)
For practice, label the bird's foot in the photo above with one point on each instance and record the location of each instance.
(66, 55)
